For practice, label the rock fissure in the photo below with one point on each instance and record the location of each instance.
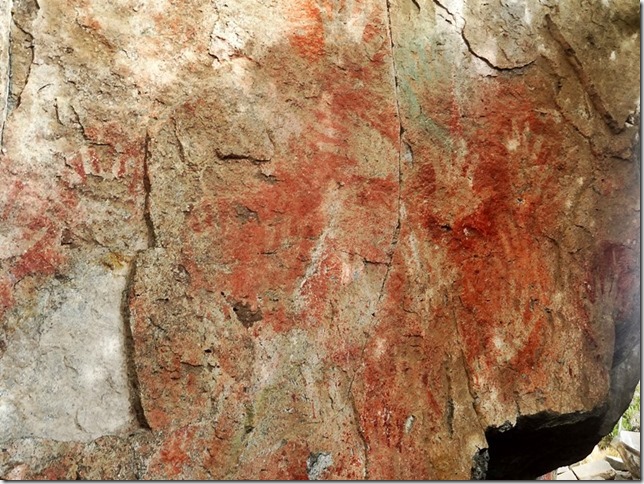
(147, 187)
(180, 145)
(130, 353)
(7, 74)
(134, 385)
(15, 65)
(241, 157)
(468, 45)
(396, 234)
(487, 61)
(446, 10)
(87, 138)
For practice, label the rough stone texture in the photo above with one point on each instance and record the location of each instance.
(69, 350)
(288, 240)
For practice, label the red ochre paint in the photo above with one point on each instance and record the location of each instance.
(272, 250)
(308, 37)
(499, 255)
(497, 259)
(6, 295)
(40, 259)
(173, 454)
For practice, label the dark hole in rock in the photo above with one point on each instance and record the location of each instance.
(246, 315)
(537, 444)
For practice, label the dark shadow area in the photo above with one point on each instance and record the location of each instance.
(540, 443)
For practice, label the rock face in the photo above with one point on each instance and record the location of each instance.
(392, 239)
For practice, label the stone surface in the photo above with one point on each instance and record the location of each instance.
(623, 476)
(567, 475)
(69, 377)
(595, 470)
(616, 463)
(316, 240)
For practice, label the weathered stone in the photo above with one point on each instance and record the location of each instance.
(386, 239)
(598, 469)
(623, 476)
(616, 463)
(69, 380)
(567, 475)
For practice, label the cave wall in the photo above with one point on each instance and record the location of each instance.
(315, 239)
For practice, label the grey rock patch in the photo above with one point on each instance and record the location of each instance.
(64, 376)
(317, 463)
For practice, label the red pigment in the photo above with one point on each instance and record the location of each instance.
(173, 454)
(308, 39)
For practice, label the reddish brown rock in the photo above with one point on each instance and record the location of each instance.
(308, 240)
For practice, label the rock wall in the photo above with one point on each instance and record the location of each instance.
(383, 239)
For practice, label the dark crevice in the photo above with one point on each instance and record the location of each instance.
(450, 416)
(489, 62)
(182, 149)
(538, 444)
(132, 376)
(270, 179)
(240, 157)
(443, 7)
(7, 92)
(147, 186)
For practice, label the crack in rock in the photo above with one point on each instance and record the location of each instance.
(147, 186)
(132, 375)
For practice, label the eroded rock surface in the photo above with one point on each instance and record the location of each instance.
(312, 240)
